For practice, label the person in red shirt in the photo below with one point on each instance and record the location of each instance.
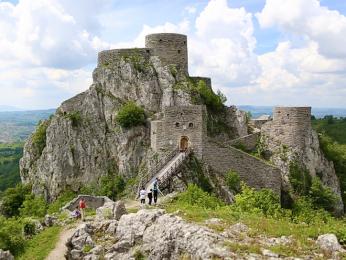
(82, 206)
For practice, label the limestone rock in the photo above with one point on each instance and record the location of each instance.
(329, 243)
(119, 209)
(49, 220)
(6, 255)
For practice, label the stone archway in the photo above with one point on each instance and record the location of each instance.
(184, 143)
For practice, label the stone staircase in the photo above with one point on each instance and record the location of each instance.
(165, 171)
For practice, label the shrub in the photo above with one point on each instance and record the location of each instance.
(34, 206)
(29, 227)
(264, 200)
(13, 199)
(195, 196)
(39, 137)
(299, 178)
(112, 186)
(64, 198)
(322, 196)
(233, 181)
(75, 118)
(209, 98)
(11, 235)
(131, 115)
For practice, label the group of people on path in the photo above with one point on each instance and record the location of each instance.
(79, 211)
(151, 194)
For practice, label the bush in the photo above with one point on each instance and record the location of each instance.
(61, 201)
(39, 137)
(33, 206)
(299, 178)
(195, 196)
(29, 227)
(112, 186)
(131, 115)
(13, 199)
(264, 201)
(11, 235)
(233, 181)
(322, 196)
(75, 118)
(209, 98)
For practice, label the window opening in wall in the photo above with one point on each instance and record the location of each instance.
(288, 115)
(160, 40)
(148, 51)
(190, 125)
(177, 124)
(184, 42)
(181, 114)
(179, 51)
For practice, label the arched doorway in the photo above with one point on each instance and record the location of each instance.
(184, 143)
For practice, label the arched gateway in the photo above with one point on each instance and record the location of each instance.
(184, 143)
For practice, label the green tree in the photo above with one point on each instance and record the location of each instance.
(299, 178)
(13, 199)
(33, 206)
(131, 115)
(11, 235)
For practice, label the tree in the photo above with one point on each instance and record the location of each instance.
(131, 115)
(13, 199)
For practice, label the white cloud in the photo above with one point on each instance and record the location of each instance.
(308, 19)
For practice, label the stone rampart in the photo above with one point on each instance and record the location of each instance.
(92, 202)
(249, 142)
(253, 171)
(108, 57)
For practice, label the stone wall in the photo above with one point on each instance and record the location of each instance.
(253, 171)
(170, 47)
(178, 122)
(248, 141)
(107, 57)
(92, 202)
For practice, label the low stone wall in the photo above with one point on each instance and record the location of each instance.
(253, 171)
(248, 141)
(93, 202)
(108, 57)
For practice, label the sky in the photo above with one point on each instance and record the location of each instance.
(257, 52)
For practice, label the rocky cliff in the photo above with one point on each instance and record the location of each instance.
(82, 141)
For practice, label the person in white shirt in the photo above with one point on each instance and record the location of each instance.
(142, 195)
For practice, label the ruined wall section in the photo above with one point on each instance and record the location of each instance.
(171, 48)
(108, 57)
(253, 171)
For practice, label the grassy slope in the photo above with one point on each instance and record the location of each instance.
(39, 247)
(9, 164)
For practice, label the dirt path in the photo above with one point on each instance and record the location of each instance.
(58, 253)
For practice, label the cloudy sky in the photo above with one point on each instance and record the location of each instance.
(259, 52)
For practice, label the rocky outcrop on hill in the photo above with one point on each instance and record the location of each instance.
(83, 141)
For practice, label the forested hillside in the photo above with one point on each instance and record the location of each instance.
(332, 135)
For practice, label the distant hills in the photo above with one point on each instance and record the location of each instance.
(318, 112)
(16, 126)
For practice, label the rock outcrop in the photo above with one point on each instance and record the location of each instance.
(5, 255)
(83, 141)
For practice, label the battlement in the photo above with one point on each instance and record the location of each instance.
(107, 57)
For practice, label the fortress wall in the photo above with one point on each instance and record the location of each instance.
(157, 135)
(109, 56)
(290, 125)
(253, 171)
(248, 141)
(170, 47)
(185, 121)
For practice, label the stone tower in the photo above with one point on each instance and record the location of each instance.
(171, 48)
(292, 125)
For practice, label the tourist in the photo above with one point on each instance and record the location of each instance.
(76, 213)
(142, 195)
(155, 189)
(150, 196)
(82, 206)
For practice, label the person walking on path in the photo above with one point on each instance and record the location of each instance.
(82, 206)
(150, 196)
(155, 190)
(142, 195)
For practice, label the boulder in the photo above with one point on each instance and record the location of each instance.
(6, 255)
(329, 243)
(49, 220)
(119, 209)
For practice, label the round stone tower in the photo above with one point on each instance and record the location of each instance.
(292, 125)
(171, 48)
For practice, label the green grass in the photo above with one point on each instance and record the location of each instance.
(40, 245)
